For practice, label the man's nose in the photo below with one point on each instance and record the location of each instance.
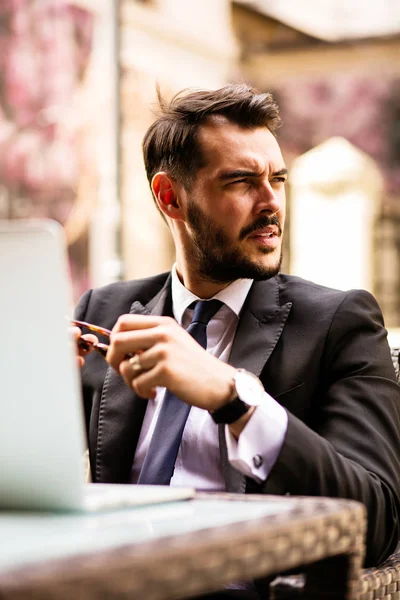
(268, 199)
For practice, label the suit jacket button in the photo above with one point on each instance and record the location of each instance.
(257, 461)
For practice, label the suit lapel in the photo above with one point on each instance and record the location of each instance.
(122, 411)
(261, 323)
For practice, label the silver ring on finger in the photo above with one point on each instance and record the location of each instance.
(135, 363)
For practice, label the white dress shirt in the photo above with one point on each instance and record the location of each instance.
(198, 462)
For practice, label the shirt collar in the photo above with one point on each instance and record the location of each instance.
(233, 295)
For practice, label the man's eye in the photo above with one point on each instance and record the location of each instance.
(239, 181)
(280, 179)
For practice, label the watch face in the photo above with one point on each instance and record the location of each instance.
(248, 387)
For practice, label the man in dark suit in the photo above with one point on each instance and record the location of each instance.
(325, 418)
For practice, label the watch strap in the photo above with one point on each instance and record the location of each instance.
(230, 412)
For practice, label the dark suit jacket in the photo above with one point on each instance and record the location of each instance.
(319, 352)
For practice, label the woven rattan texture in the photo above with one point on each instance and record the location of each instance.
(188, 564)
(383, 582)
(395, 352)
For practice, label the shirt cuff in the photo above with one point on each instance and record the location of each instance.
(260, 442)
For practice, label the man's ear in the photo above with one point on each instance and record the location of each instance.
(165, 191)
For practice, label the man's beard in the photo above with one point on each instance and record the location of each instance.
(214, 258)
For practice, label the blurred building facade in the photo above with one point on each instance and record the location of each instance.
(71, 146)
(334, 78)
(175, 44)
(327, 85)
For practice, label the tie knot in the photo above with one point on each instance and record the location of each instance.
(204, 310)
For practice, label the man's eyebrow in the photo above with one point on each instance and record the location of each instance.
(280, 172)
(238, 173)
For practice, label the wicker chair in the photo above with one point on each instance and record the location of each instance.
(382, 582)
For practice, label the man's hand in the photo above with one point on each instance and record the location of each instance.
(168, 357)
(82, 350)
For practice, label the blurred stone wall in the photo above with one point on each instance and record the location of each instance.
(178, 44)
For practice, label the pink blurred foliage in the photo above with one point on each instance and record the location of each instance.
(45, 46)
(353, 105)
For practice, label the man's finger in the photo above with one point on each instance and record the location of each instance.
(75, 332)
(136, 322)
(85, 344)
(124, 343)
(90, 338)
(142, 382)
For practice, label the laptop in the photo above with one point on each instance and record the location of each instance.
(42, 436)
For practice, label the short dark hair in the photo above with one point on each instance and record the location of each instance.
(171, 142)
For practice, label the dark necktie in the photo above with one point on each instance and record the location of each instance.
(159, 463)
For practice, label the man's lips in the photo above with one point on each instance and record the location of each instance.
(267, 232)
(263, 227)
(267, 237)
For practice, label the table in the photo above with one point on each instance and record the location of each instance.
(183, 548)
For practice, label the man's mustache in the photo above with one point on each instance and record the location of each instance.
(262, 222)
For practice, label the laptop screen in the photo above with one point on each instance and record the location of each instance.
(41, 417)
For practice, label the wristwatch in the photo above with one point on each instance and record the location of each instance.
(249, 392)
